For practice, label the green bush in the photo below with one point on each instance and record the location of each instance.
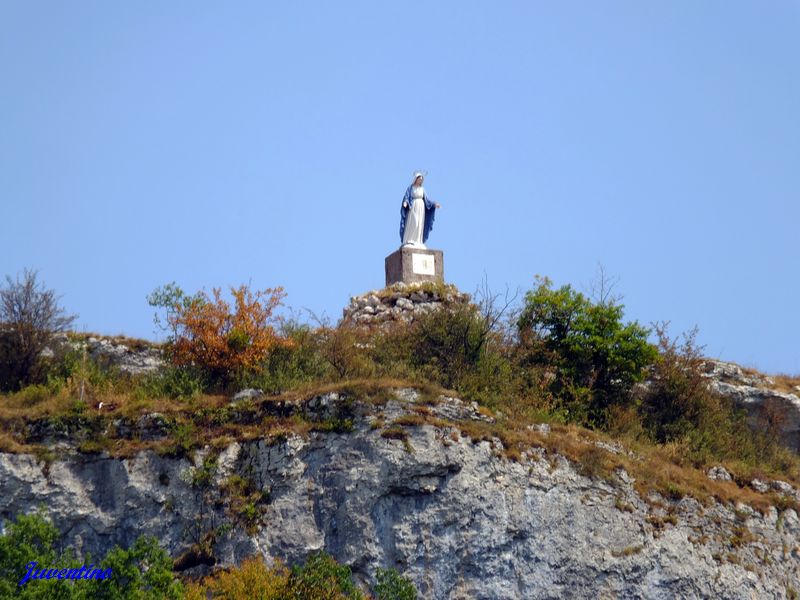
(446, 344)
(143, 572)
(596, 357)
(678, 400)
(346, 350)
(393, 586)
(287, 366)
(31, 395)
(491, 379)
(177, 382)
(74, 370)
(322, 578)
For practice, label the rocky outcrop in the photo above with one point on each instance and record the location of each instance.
(756, 393)
(401, 303)
(139, 358)
(455, 515)
(134, 361)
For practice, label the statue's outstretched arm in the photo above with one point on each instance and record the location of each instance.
(407, 198)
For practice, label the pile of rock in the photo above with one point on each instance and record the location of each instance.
(141, 359)
(401, 302)
(127, 360)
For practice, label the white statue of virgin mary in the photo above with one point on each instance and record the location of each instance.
(416, 214)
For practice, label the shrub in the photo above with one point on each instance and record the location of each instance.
(322, 578)
(678, 399)
(177, 382)
(297, 362)
(31, 396)
(144, 571)
(222, 340)
(448, 343)
(678, 406)
(596, 357)
(345, 349)
(172, 300)
(393, 586)
(491, 379)
(29, 316)
(251, 579)
(82, 376)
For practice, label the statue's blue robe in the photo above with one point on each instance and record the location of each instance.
(430, 214)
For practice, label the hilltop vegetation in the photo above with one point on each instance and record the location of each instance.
(558, 357)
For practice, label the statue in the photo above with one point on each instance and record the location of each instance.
(416, 214)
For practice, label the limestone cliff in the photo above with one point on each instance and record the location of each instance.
(389, 488)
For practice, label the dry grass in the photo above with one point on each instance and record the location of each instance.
(395, 432)
(431, 287)
(410, 420)
(629, 551)
(376, 390)
(9, 444)
(34, 402)
(787, 383)
(782, 382)
(205, 419)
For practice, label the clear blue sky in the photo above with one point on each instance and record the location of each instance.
(216, 143)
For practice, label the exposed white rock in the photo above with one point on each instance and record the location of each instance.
(134, 362)
(719, 473)
(783, 487)
(247, 394)
(398, 303)
(540, 427)
(453, 515)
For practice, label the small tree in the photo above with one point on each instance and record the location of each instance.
(29, 316)
(221, 339)
(596, 357)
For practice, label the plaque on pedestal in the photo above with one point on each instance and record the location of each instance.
(411, 265)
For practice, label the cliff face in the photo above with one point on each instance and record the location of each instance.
(455, 515)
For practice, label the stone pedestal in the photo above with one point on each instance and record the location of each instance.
(411, 265)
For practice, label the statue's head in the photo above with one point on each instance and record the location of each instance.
(418, 178)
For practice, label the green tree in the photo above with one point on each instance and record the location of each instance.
(142, 572)
(32, 538)
(594, 355)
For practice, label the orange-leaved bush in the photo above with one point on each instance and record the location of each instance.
(225, 340)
